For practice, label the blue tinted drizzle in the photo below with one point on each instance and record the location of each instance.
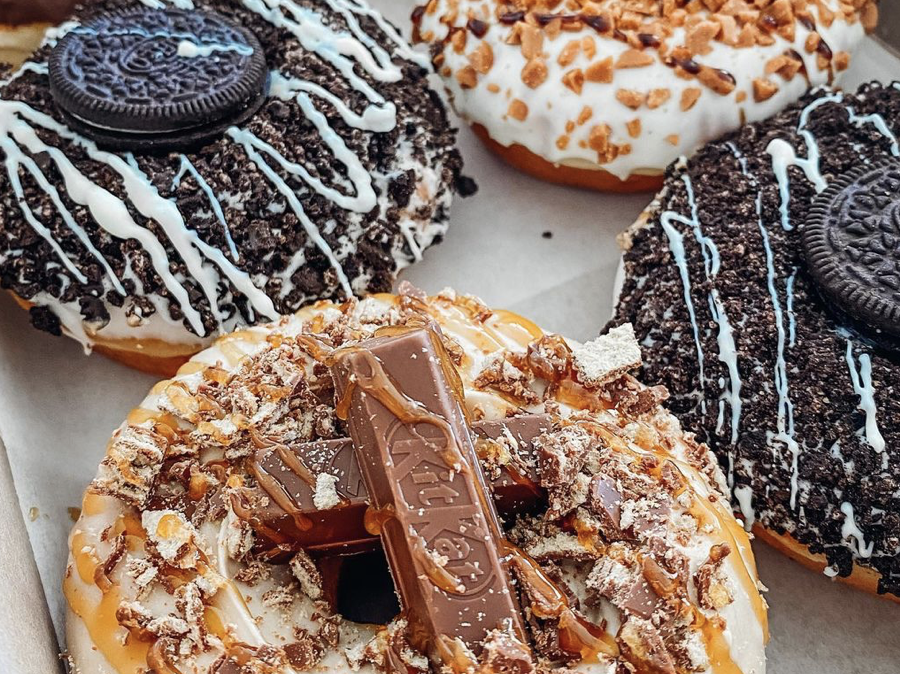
(188, 167)
(785, 416)
(784, 156)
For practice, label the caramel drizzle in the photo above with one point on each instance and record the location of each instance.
(577, 635)
(277, 491)
(731, 531)
(409, 412)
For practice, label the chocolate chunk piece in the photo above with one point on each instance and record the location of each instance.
(606, 502)
(286, 515)
(157, 79)
(16, 12)
(283, 511)
(851, 244)
(430, 502)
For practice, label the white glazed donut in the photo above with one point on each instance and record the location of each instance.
(162, 571)
(607, 93)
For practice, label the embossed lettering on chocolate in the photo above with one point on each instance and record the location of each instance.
(428, 496)
(290, 520)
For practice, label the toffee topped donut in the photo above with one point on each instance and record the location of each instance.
(209, 541)
(763, 285)
(176, 170)
(606, 94)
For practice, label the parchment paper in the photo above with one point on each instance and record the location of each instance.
(58, 407)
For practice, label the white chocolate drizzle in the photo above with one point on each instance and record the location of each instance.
(109, 212)
(862, 385)
(785, 417)
(783, 156)
(188, 168)
(850, 529)
(725, 337)
(743, 494)
(880, 124)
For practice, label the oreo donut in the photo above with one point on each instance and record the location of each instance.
(606, 94)
(763, 286)
(174, 170)
(228, 529)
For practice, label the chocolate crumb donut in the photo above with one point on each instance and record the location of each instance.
(226, 530)
(144, 212)
(763, 286)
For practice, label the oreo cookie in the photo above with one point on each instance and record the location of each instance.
(157, 79)
(851, 240)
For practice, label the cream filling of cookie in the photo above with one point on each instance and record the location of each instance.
(587, 100)
(124, 614)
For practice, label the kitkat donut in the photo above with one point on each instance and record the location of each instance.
(605, 94)
(763, 284)
(171, 171)
(230, 528)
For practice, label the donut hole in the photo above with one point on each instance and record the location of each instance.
(365, 591)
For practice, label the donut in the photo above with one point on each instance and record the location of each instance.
(606, 94)
(23, 24)
(200, 549)
(771, 315)
(226, 165)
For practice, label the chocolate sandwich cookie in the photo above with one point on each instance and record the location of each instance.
(176, 170)
(414, 484)
(764, 285)
(150, 79)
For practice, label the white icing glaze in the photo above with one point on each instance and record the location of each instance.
(551, 105)
(862, 385)
(240, 605)
(207, 265)
(850, 530)
(785, 418)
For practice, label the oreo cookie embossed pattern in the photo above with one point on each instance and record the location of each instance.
(852, 243)
(343, 177)
(749, 331)
(157, 79)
